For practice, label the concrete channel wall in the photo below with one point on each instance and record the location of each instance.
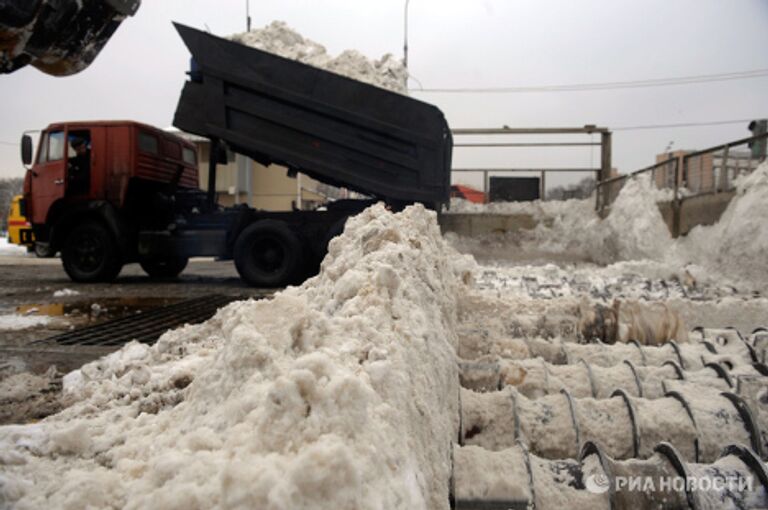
(486, 223)
(693, 211)
(698, 210)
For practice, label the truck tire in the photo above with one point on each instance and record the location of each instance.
(43, 251)
(268, 254)
(91, 254)
(169, 267)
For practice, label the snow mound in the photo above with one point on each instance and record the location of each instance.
(737, 244)
(11, 250)
(15, 322)
(634, 229)
(66, 293)
(341, 393)
(730, 253)
(538, 209)
(387, 72)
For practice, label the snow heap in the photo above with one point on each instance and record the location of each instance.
(728, 253)
(538, 209)
(16, 322)
(634, 229)
(737, 244)
(341, 393)
(278, 38)
(11, 250)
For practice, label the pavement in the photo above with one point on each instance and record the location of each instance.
(38, 301)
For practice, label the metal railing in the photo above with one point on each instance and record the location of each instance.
(600, 173)
(709, 171)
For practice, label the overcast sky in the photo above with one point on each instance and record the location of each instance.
(455, 43)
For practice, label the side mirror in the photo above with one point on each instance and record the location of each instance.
(26, 150)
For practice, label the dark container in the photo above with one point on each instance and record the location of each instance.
(335, 129)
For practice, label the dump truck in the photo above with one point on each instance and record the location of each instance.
(108, 193)
(58, 37)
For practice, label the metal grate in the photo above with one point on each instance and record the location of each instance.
(145, 327)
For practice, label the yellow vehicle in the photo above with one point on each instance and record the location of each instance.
(19, 229)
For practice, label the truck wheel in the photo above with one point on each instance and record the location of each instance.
(90, 254)
(268, 254)
(43, 251)
(169, 267)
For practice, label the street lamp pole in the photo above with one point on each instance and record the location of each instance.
(405, 44)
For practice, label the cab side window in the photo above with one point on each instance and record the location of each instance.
(148, 143)
(56, 145)
(42, 155)
(189, 156)
(79, 164)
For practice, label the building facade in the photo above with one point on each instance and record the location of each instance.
(244, 181)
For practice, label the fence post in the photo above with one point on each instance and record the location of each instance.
(723, 171)
(598, 190)
(605, 155)
(676, 199)
(605, 169)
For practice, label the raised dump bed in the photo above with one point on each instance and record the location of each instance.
(335, 129)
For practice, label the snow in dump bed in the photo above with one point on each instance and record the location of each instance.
(387, 72)
(341, 393)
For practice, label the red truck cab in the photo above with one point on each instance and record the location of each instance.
(102, 175)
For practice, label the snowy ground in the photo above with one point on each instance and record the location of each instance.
(11, 250)
(344, 392)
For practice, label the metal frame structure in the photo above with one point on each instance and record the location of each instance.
(601, 173)
(608, 189)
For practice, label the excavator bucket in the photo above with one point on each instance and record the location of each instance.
(59, 37)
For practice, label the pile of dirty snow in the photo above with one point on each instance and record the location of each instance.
(341, 393)
(387, 72)
(538, 209)
(66, 293)
(11, 250)
(728, 254)
(737, 244)
(634, 229)
(16, 322)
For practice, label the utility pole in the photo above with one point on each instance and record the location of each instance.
(248, 15)
(405, 44)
